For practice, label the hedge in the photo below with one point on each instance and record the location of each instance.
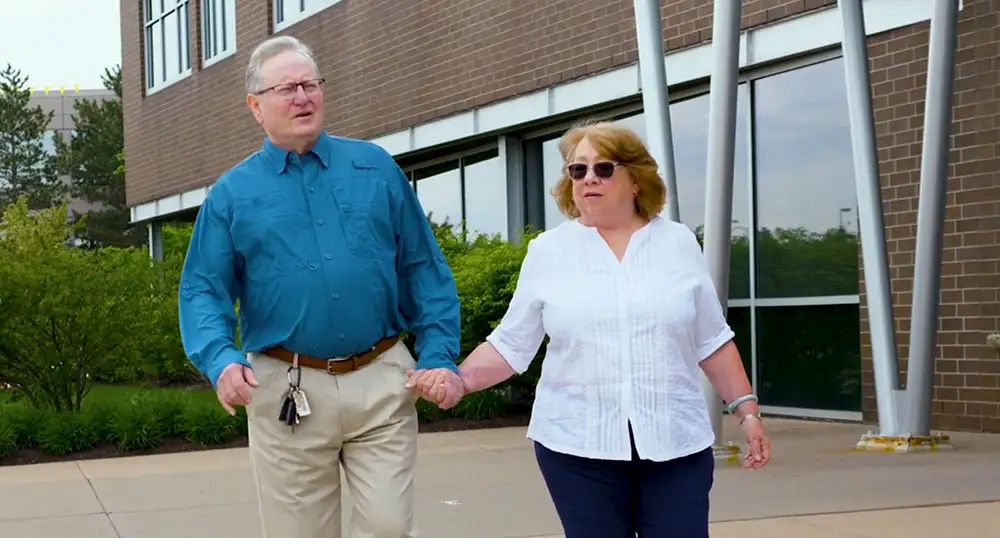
(73, 319)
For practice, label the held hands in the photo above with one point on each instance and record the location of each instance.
(438, 385)
(233, 387)
(759, 446)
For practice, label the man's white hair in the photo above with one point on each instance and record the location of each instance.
(269, 49)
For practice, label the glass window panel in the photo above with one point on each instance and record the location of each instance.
(289, 10)
(227, 16)
(209, 40)
(439, 190)
(739, 321)
(807, 234)
(155, 53)
(182, 40)
(552, 165)
(170, 45)
(689, 122)
(153, 9)
(485, 195)
(810, 356)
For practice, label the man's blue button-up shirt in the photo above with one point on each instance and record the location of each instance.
(327, 252)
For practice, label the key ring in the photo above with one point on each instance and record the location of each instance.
(295, 366)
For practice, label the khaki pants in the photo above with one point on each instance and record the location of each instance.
(365, 421)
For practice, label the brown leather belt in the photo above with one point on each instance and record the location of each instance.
(336, 365)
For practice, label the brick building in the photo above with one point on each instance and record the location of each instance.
(471, 95)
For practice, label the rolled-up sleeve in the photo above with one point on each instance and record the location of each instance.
(427, 293)
(520, 332)
(207, 294)
(711, 330)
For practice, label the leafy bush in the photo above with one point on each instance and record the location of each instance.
(131, 419)
(207, 426)
(67, 313)
(486, 270)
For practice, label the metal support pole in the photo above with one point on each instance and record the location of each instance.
(721, 157)
(870, 224)
(155, 240)
(655, 99)
(930, 216)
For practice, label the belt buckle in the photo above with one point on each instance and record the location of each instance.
(330, 362)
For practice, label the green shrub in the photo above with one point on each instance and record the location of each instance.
(67, 314)
(210, 426)
(138, 426)
(23, 423)
(68, 433)
(482, 405)
(8, 438)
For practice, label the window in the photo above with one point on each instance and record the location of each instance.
(806, 241)
(168, 43)
(807, 226)
(218, 30)
(485, 195)
(289, 12)
(439, 189)
(469, 194)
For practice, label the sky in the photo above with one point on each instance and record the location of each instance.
(60, 42)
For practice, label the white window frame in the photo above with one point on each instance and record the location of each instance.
(156, 75)
(218, 30)
(304, 10)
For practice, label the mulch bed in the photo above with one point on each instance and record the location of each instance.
(173, 446)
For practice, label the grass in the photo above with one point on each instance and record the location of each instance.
(121, 394)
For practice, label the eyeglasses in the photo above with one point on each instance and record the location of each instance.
(289, 89)
(602, 169)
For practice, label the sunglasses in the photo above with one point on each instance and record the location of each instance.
(602, 169)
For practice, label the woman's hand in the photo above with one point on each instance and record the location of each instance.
(439, 385)
(759, 446)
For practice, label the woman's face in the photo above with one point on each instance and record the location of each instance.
(600, 185)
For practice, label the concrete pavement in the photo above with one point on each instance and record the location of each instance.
(485, 484)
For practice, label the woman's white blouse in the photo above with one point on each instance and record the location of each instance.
(625, 341)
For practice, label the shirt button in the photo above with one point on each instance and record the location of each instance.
(328, 256)
(336, 296)
(311, 189)
(312, 266)
(341, 336)
(320, 222)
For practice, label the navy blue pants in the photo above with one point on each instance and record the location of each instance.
(622, 499)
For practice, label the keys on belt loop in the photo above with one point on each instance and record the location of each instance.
(295, 406)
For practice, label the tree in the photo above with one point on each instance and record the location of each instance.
(25, 168)
(68, 313)
(94, 159)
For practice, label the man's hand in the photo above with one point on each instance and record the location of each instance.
(439, 385)
(233, 387)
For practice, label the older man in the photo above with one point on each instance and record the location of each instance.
(325, 246)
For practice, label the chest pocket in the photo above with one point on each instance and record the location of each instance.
(269, 231)
(364, 207)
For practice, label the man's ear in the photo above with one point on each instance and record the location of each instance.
(254, 105)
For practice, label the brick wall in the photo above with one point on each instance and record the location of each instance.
(388, 65)
(967, 376)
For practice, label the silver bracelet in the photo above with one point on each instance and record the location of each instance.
(740, 401)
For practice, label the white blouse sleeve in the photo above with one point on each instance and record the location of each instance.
(711, 331)
(520, 332)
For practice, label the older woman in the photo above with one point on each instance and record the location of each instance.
(620, 424)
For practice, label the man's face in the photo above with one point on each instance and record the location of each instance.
(290, 104)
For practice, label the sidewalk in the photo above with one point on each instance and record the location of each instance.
(485, 484)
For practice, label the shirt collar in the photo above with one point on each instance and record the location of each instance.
(278, 156)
